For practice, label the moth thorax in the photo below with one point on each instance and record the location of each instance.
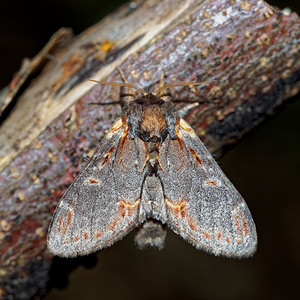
(153, 121)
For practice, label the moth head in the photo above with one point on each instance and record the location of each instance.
(150, 116)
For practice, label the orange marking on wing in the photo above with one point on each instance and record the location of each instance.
(76, 238)
(219, 235)
(60, 224)
(107, 156)
(245, 226)
(128, 206)
(177, 207)
(66, 241)
(85, 235)
(98, 234)
(169, 203)
(212, 182)
(118, 125)
(238, 227)
(227, 240)
(113, 224)
(179, 136)
(130, 210)
(122, 142)
(119, 232)
(192, 224)
(183, 210)
(68, 221)
(181, 143)
(94, 181)
(146, 158)
(196, 156)
(206, 235)
(236, 223)
(122, 209)
(186, 127)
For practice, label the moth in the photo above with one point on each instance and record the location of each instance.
(151, 170)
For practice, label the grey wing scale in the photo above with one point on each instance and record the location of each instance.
(102, 204)
(203, 206)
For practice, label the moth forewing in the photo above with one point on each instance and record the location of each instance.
(101, 205)
(206, 209)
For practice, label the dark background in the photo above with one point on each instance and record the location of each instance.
(264, 166)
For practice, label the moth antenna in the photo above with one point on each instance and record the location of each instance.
(103, 104)
(122, 75)
(160, 91)
(127, 84)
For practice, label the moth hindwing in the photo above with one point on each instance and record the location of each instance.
(151, 170)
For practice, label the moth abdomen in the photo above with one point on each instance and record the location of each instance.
(151, 233)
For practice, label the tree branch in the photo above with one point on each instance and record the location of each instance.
(249, 48)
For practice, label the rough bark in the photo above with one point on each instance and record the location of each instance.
(248, 47)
